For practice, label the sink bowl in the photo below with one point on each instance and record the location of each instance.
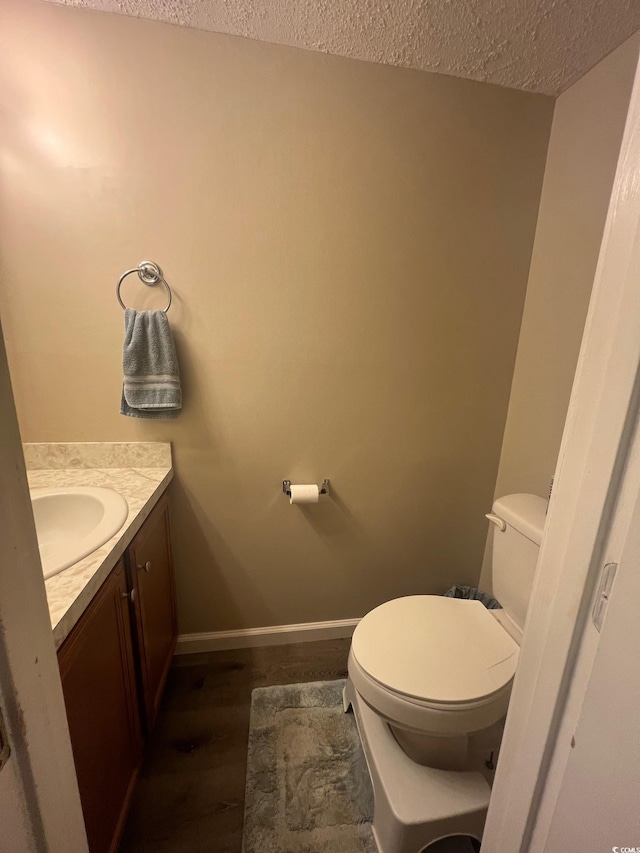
(73, 522)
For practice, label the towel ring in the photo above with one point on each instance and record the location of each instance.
(150, 274)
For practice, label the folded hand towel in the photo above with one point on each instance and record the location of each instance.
(151, 387)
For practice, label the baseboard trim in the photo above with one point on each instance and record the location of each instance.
(273, 635)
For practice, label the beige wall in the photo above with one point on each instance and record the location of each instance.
(348, 245)
(585, 142)
(586, 135)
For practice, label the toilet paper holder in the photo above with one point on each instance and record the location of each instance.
(323, 488)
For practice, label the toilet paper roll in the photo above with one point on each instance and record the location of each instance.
(304, 494)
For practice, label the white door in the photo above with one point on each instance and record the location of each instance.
(597, 806)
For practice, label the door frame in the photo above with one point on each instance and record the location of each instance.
(43, 782)
(593, 453)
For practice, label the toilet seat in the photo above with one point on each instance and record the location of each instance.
(434, 664)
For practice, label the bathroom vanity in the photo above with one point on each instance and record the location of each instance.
(113, 667)
(114, 621)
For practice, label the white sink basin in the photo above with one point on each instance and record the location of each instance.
(73, 522)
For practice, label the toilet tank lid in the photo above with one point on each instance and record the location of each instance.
(525, 513)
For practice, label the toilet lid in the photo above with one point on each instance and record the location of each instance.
(438, 649)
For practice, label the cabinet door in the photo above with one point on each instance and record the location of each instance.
(151, 571)
(98, 682)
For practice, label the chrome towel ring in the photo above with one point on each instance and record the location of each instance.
(150, 274)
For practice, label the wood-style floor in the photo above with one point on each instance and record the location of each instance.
(190, 794)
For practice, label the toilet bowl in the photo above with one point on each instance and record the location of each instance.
(430, 680)
(438, 670)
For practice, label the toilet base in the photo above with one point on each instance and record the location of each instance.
(477, 752)
(414, 805)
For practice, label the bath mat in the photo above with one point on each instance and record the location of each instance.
(308, 788)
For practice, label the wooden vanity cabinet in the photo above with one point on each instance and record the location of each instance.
(113, 667)
(99, 686)
(156, 629)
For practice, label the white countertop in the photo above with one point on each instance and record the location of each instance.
(70, 591)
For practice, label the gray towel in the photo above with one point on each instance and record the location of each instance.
(151, 387)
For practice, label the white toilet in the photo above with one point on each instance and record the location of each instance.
(429, 682)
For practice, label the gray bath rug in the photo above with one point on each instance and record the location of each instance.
(308, 788)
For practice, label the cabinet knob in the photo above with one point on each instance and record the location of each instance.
(130, 595)
(146, 566)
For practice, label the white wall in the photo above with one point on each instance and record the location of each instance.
(586, 135)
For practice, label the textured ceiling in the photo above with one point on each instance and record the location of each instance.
(537, 45)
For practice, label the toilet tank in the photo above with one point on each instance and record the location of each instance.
(515, 551)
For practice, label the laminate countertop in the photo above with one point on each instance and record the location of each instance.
(140, 472)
